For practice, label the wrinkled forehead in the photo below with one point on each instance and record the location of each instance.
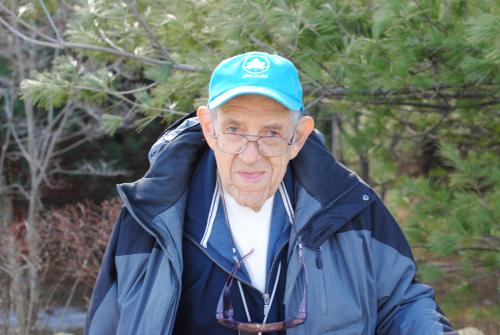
(254, 102)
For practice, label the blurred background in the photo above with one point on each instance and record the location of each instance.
(407, 94)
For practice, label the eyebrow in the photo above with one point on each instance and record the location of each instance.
(276, 126)
(230, 122)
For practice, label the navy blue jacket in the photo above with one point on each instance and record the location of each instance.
(361, 274)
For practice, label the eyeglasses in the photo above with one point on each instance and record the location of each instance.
(270, 146)
(296, 312)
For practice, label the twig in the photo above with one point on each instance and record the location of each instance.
(68, 301)
(30, 27)
(19, 143)
(408, 92)
(133, 103)
(150, 33)
(48, 154)
(314, 102)
(71, 146)
(87, 169)
(106, 39)
(20, 189)
(5, 145)
(85, 129)
(140, 89)
(51, 21)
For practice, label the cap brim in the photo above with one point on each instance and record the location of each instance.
(283, 99)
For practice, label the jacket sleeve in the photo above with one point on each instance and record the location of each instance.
(103, 313)
(123, 266)
(404, 306)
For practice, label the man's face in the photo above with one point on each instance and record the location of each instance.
(250, 177)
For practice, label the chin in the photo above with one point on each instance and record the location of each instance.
(251, 198)
(254, 204)
(248, 194)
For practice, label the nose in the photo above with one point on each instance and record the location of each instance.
(251, 153)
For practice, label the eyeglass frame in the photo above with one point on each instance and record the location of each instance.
(246, 137)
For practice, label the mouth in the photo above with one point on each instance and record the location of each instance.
(251, 177)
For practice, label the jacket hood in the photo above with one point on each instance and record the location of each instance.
(176, 153)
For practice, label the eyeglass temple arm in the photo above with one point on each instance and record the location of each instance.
(238, 265)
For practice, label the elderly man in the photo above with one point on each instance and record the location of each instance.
(245, 223)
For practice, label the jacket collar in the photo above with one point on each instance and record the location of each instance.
(321, 182)
(328, 194)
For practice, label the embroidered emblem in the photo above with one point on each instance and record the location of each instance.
(256, 64)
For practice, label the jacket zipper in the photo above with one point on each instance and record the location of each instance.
(265, 296)
(171, 309)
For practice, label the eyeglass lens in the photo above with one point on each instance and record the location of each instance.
(236, 143)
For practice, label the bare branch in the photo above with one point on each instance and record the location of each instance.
(86, 130)
(47, 133)
(20, 189)
(18, 141)
(71, 146)
(445, 108)
(5, 145)
(103, 169)
(51, 21)
(432, 92)
(26, 25)
(313, 103)
(48, 154)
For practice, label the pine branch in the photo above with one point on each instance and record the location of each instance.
(69, 45)
(150, 33)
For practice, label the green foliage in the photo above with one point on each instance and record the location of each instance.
(455, 217)
(51, 89)
(110, 123)
(159, 75)
(431, 273)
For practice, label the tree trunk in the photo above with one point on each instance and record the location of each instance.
(14, 293)
(364, 167)
(363, 159)
(34, 261)
(335, 137)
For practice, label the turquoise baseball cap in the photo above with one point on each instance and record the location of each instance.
(259, 73)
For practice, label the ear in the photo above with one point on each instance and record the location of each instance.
(302, 132)
(203, 114)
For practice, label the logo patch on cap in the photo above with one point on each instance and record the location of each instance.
(256, 64)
